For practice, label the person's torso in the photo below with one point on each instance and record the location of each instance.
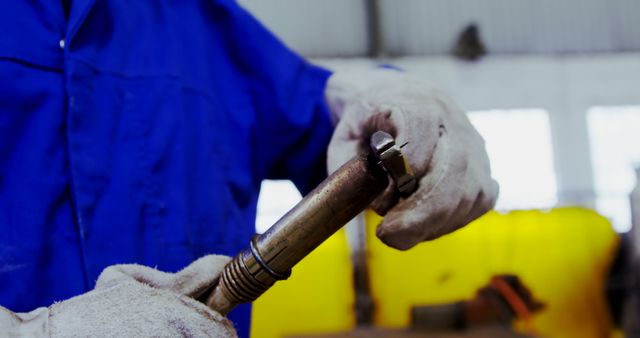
(139, 131)
(124, 137)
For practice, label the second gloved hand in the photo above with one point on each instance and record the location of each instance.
(132, 301)
(445, 152)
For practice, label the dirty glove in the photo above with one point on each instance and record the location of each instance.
(446, 153)
(132, 301)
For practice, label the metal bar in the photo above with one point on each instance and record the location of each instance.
(326, 209)
(376, 45)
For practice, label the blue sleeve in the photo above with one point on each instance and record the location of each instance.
(293, 126)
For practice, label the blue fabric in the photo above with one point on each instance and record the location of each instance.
(144, 140)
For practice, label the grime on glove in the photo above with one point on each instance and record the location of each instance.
(446, 153)
(132, 301)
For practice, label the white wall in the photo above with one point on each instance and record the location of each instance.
(512, 26)
(430, 27)
(315, 27)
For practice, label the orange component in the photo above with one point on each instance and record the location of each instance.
(515, 302)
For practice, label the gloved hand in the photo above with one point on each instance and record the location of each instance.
(445, 152)
(132, 301)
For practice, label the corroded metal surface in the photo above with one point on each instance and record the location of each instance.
(321, 213)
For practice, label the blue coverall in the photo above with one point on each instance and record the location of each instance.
(139, 131)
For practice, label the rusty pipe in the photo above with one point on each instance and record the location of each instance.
(338, 199)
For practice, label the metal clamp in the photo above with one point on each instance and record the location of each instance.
(394, 162)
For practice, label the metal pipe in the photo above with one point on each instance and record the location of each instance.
(326, 209)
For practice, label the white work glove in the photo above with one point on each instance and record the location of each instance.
(446, 153)
(131, 301)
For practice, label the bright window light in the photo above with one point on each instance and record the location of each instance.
(276, 198)
(614, 133)
(519, 146)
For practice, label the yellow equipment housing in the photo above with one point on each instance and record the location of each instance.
(563, 255)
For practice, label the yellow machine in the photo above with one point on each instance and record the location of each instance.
(561, 255)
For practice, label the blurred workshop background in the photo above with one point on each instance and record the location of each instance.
(554, 88)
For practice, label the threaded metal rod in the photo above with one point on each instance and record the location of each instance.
(321, 213)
